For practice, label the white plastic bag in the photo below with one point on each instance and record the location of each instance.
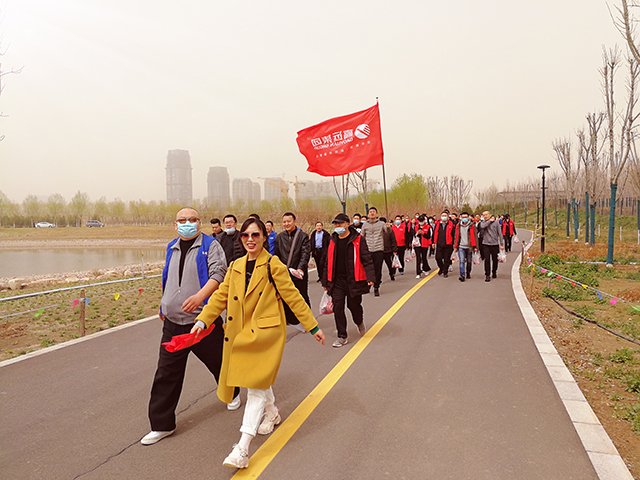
(476, 258)
(395, 263)
(413, 253)
(415, 242)
(502, 256)
(326, 304)
(407, 256)
(516, 239)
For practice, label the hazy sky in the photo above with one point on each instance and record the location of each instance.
(473, 88)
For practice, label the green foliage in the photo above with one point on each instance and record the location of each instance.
(622, 355)
(635, 276)
(47, 342)
(632, 382)
(585, 311)
(597, 359)
(410, 190)
(549, 261)
(564, 291)
(632, 415)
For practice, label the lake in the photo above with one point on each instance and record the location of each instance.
(19, 263)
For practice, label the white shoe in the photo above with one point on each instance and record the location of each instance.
(235, 404)
(417, 276)
(238, 458)
(154, 437)
(340, 342)
(269, 421)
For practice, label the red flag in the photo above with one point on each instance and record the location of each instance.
(342, 145)
(178, 342)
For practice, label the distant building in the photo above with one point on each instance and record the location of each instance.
(308, 190)
(218, 187)
(179, 184)
(242, 189)
(325, 189)
(256, 192)
(273, 188)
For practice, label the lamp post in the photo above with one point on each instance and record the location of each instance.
(543, 168)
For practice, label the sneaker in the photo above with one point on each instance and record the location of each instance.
(154, 437)
(376, 292)
(440, 272)
(446, 275)
(340, 342)
(362, 329)
(468, 275)
(269, 421)
(235, 404)
(238, 458)
(487, 278)
(418, 276)
(393, 279)
(494, 275)
(461, 278)
(401, 272)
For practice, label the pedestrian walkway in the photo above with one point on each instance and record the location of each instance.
(452, 386)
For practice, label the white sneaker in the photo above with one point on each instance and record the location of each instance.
(238, 458)
(235, 404)
(340, 342)
(417, 276)
(269, 421)
(154, 437)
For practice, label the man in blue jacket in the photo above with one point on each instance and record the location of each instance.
(194, 268)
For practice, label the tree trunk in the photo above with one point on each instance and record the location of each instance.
(586, 218)
(612, 224)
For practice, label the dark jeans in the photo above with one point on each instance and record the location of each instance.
(378, 259)
(318, 257)
(443, 257)
(490, 255)
(507, 242)
(388, 259)
(303, 287)
(339, 294)
(422, 264)
(169, 377)
(466, 260)
(401, 251)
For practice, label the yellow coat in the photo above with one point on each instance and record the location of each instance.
(256, 329)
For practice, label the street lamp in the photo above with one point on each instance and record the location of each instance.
(543, 168)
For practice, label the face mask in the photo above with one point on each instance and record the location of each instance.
(465, 221)
(229, 230)
(398, 222)
(188, 230)
(430, 222)
(421, 223)
(364, 221)
(356, 222)
(340, 230)
(444, 219)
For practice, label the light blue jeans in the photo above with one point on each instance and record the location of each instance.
(465, 256)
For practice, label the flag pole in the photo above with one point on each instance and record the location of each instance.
(384, 176)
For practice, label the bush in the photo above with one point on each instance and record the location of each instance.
(622, 355)
(564, 291)
(549, 261)
(632, 382)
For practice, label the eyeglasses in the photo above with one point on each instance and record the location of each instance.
(254, 235)
(185, 220)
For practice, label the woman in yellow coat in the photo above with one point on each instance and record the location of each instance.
(255, 333)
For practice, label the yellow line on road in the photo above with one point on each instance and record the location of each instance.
(278, 439)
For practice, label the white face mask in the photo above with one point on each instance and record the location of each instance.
(444, 219)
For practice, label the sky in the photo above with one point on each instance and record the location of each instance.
(467, 88)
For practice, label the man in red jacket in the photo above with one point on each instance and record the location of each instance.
(348, 275)
(508, 231)
(443, 240)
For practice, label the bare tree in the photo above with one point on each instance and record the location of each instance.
(4, 73)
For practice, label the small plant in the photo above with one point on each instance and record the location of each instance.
(632, 382)
(597, 359)
(622, 355)
(47, 342)
(113, 323)
(632, 415)
(585, 311)
(577, 323)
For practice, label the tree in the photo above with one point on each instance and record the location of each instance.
(409, 191)
(6, 207)
(79, 206)
(32, 208)
(55, 206)
(3, 74)
(571, 170)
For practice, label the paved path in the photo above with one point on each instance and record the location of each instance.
(452, 387)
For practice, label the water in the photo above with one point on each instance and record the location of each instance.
(19, 263)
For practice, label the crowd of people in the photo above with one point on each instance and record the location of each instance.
(260, 278)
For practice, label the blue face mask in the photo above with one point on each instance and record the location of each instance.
(398, 222)
(230, 231)
(340, 230)
(465, 221)
(430, 222)
(188, 230)
(356, 221)
(421, 223)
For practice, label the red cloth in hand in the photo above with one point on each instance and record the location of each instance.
(187, 340)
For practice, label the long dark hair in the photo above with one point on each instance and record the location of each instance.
(262, 228)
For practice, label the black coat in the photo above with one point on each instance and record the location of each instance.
(301, 250)
(355, 288)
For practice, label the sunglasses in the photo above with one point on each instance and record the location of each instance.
(185, 220)
(254, 235)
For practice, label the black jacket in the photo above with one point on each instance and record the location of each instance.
(231, 245)
(326, 237)
(355, 288)
(390, 243)
(301, 250)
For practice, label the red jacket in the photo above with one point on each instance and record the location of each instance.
(400, 232)
(511, 228)
(448, 231)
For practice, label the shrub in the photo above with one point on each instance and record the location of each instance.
(622, 355)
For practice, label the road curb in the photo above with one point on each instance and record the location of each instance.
(75, 341)
(603, 454)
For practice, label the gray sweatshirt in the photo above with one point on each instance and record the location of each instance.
(373, 231)
(174, 294)
(491, 232)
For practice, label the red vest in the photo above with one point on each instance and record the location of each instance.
(424, 241)
(358, 268)
(400, 231)
(504, 227)
(448, 231)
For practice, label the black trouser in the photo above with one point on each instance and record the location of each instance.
(378, 259)
(507, 242)
(169, 377)
(339, 294)
(422, 264)
(302, 284)
(318, 257)
(443, 257)
(490, 255)
(401, 251)
(388, 259)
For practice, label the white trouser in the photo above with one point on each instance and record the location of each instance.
(257, 400)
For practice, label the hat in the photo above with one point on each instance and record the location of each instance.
(340, 218)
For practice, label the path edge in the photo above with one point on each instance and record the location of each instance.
(603, 454)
